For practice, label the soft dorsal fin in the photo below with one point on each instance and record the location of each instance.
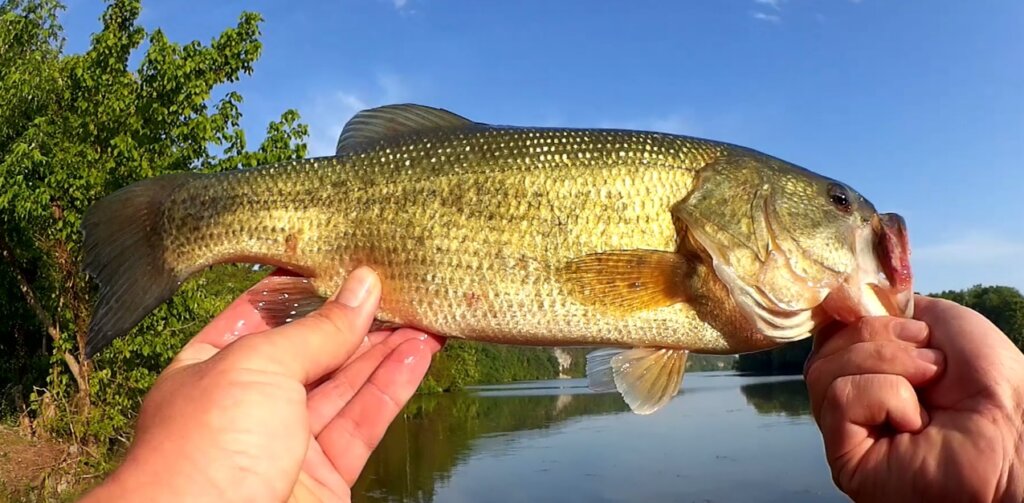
(375, 124)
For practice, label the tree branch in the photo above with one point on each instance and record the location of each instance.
(26, 290)
(44, 318)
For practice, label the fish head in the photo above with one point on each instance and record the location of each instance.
(797, 249)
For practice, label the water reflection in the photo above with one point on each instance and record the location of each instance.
(725, 438)
(435, 432)
(786, 397)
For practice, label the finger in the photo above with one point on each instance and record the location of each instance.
(374, 338)
(240, 318)
(368, 342)
(964, 331)
(857, 409)
(871, 329)
(320, 342)
(236, 320)
(327, 400)
(916, 365)
(319, 468)
(371, 339)
(349, 438)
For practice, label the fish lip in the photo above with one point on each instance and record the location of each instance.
(882, 284)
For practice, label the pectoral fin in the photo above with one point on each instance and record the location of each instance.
(626, 281)
(283, 299)
(647, 378)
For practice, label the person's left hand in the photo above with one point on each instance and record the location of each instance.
(290, 413)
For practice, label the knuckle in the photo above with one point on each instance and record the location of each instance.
(882, 355)
(813, 371)
(871, 328)
(360, 435)
(342, 388)
(904, 392)
(837, 396)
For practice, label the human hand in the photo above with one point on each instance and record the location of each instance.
(958, 437)
(290, 413)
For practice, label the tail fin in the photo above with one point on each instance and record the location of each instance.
(124, 253)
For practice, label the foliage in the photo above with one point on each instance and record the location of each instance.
(709, 363)
(453, 368)
(126, 370)
(74, 127)
(786, 359)
(464, 363)
(1002, 305)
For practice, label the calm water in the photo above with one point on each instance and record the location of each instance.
(725, 438)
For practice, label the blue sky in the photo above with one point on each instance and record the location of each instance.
(917, 104)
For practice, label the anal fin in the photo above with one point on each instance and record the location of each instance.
(647, 378)
(284, 299)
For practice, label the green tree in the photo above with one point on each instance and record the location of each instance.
(75, 127)
(785, 359)
(1002, 305)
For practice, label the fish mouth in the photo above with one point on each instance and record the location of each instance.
(883, 282)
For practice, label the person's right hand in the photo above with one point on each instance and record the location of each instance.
(958, 437)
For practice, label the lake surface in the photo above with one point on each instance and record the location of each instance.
(724, 438)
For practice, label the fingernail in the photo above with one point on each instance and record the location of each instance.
(911, 331)
(928, 355)
(356, 287)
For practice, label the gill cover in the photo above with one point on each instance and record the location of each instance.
(730, 215)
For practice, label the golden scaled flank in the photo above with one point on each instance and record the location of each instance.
(478, 220)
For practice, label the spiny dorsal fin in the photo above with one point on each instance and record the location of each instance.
(375, 124)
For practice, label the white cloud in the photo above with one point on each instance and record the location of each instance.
(404, 7)
(775, 4)
(327, 114)
(982, 257)
(979, 247)
(761, 16)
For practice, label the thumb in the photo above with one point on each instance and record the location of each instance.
(313, 346)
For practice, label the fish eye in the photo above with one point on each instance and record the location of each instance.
(839, 197)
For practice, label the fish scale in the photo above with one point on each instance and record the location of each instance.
(531, 236)
(494, 234)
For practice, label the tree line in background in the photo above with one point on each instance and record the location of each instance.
(75, 127)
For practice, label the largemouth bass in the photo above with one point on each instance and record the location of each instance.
(652, 244)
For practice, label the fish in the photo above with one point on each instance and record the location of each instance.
(645, 245)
